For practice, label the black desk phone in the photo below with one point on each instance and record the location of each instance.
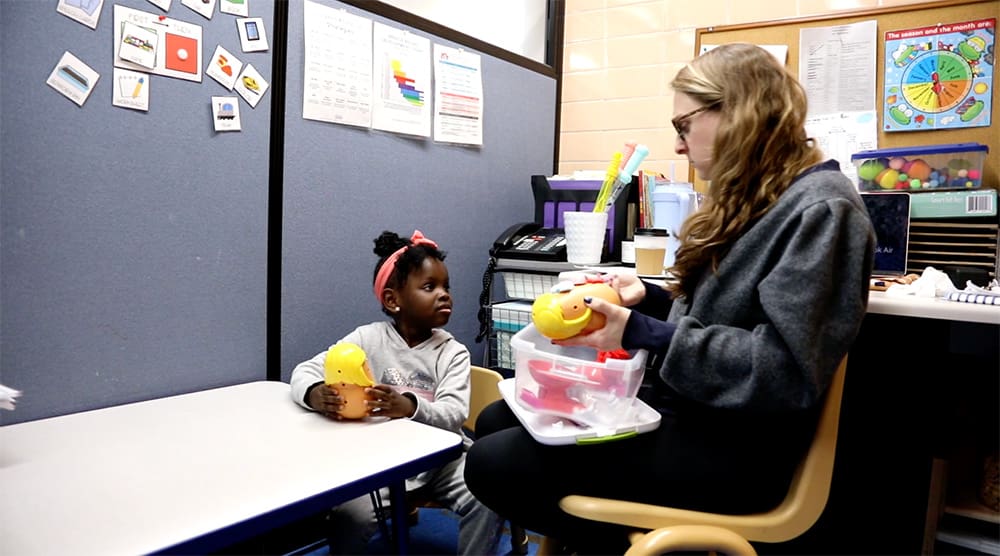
(529, 240)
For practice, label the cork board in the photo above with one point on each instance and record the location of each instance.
(786, 32)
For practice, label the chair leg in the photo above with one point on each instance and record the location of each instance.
(691, 538)
(380, 514)
(518, 539)
(548, 547)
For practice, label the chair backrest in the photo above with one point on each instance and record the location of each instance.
(810, 486)
(484, 390)
(803, 504)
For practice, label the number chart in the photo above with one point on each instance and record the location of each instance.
(939, 77)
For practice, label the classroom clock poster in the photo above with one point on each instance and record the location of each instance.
(939, 77)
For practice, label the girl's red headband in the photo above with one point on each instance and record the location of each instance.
(389, 266)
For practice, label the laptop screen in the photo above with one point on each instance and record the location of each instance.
(890, 216)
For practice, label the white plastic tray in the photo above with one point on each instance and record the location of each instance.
(548, 429)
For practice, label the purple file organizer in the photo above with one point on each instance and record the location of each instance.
(554, 197)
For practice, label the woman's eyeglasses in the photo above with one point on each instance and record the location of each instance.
(681, 122)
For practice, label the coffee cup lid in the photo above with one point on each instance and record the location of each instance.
(650, 232)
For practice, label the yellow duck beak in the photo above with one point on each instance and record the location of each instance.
(546, 313)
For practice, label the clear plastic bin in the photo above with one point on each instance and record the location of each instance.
(569, 382)
(931, 167)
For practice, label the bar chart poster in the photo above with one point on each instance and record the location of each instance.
(402, 81)
(939, 77)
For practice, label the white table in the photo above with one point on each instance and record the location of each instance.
(932, 308)
(196, 472)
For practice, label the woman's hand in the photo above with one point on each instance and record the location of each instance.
(608, 338)
(630, 288)
(384, 401)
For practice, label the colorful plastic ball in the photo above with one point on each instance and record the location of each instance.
(963, 173)
(974, 174)
(969, 184)
(903, 177)
(919, 169)
(870, 169)
(933, 183)
(915, 183)
(888, 178)
(897, 162)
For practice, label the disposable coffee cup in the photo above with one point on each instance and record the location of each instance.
(584, 236)
(650, 251)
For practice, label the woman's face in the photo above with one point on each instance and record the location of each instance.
(696, 125)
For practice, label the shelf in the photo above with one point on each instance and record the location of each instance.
(968, 506)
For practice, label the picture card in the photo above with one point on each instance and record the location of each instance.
(177, 52)
(226, 113)
(204, 8)
(251, 85)
(130, 90)
(138, 45)
(87, 12)
(73, 78)
(162, 4)
(224, 67)
(235, 7)
(253, 37)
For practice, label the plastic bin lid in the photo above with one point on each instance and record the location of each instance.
(921, 150)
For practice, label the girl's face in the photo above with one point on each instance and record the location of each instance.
(425, 299)
(696, 125)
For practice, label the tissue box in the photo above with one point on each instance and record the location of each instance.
(953, 166)
(569, 382)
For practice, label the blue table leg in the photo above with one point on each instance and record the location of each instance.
(400, 513)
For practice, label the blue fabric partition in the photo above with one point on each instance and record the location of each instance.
(133, 247)
(344, 185)
(143, 254)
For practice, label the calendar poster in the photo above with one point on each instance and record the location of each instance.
(939, 77)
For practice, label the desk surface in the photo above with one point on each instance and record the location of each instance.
(931, 308)
(144, 477)
(920, 307)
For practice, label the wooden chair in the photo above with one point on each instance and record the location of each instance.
(662, 529)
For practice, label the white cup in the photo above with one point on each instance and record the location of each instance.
(585, 236)
(650, 251)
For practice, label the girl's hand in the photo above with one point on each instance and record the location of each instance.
(384, 401)
(608, 338)
(629, 287)
(326, 400)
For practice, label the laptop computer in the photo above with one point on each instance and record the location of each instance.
(890, 216)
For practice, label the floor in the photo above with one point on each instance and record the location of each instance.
(436, 532)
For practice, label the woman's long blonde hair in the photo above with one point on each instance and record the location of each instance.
(760, 146)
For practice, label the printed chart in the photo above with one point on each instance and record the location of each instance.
(939, 77)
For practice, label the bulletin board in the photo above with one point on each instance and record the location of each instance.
(786, 32)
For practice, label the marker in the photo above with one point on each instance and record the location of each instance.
(138, 87)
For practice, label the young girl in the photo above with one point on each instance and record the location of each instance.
(422, 374)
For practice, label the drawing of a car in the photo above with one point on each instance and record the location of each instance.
(251, 84)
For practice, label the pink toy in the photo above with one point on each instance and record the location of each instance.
(561, 389)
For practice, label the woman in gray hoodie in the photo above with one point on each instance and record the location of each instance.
(768, 291)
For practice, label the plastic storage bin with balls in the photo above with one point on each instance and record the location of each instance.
(933, 167)
(346, 369)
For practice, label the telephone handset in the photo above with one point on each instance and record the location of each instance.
(529, 240)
